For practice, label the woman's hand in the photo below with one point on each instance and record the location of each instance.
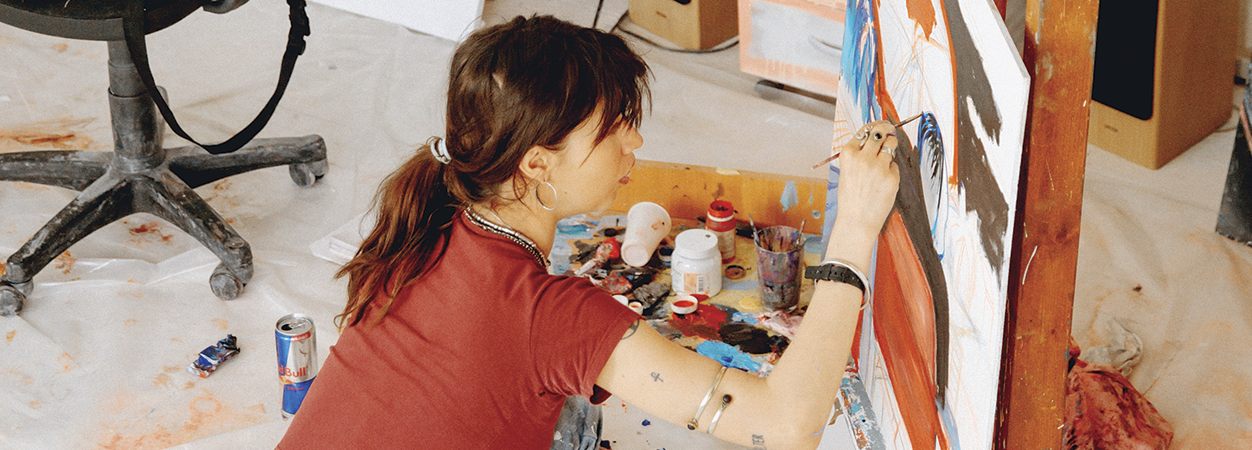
(868, 180)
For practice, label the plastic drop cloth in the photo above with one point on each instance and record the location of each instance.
(98, 357)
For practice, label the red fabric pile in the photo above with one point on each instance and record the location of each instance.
(1104, 411)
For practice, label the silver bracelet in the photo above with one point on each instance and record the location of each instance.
(855, 271)
(695, 421)
(726, 399)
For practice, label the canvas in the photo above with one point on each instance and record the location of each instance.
(930, 343)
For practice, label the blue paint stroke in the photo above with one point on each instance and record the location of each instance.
(860, 58)
(728, 356)
(745, 318)
(790, 196)
(934, 176)
(949, 425)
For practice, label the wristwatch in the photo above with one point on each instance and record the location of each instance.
(835, 271)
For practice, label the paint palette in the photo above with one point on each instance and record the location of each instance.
(733, 327)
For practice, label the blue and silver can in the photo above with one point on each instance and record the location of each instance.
(297, 359)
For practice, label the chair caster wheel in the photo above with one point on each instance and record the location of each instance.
(307, 174)
(225, 284)
(11, 300)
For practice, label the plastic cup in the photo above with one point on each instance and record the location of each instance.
(779, 250)
(646, 224)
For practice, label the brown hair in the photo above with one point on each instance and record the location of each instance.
(512, 86)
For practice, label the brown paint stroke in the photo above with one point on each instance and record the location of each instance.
(982, 193)
(922, 12)
(924, 264)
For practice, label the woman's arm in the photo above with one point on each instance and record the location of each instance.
(789, 408)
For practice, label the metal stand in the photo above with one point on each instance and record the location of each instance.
(142, 176)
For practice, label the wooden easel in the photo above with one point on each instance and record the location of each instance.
(1058, 52)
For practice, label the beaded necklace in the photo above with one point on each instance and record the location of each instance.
(511, 234)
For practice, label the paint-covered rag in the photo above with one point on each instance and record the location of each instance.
(1104, 411)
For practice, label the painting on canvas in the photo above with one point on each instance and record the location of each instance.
(929, 346)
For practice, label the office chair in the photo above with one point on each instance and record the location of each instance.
(140, 175)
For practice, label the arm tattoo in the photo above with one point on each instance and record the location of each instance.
(633, 328)
(758, 442)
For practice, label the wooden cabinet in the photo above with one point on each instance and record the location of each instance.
(690, 24)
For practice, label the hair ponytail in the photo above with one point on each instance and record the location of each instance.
(415, 210)
(511, 87)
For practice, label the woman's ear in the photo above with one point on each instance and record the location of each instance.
(536, 163)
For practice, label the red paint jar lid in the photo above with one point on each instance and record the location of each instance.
(721, 216)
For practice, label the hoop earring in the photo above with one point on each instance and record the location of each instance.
(554, 195)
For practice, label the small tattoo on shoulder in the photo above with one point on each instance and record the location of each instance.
(657, 377)
(758, 442)
(633, 328)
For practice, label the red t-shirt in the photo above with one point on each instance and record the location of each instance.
(480, 353)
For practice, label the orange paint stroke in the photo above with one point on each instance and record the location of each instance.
(910, 373)
(918, 302)
(922, 12)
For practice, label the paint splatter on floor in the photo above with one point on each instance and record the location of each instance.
(65, 262)
(147, 232)
(64, 134)
(206, 415)
(221, 323)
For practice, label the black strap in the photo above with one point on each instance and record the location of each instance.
(134, 29)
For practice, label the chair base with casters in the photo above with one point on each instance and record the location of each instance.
(141, 176)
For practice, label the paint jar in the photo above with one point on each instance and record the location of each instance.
(779, 250)
(696, 264)
(720, 219)
(646, 224)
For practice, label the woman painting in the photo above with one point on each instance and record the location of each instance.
(456, 336)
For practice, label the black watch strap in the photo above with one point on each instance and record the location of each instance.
(832, 272)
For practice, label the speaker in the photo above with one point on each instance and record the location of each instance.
(690, 24)
(1163, 76)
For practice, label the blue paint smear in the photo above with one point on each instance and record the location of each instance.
(577, 227)
(790, 196)
(949, 424)
(745, 318)
(646, 422)
(861, 411)
(728, 356)
(747, 283)
(860, 58)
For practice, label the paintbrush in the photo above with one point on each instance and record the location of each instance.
(836, 155)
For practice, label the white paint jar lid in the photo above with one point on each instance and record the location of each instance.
(696, 244)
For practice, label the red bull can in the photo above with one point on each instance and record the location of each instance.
(297, 359)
